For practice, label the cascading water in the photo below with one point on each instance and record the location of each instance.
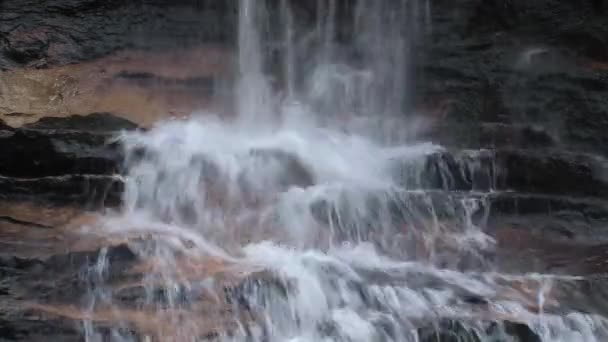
(253, 91)
(304, 228)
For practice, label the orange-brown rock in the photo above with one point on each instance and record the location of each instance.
(143, 87)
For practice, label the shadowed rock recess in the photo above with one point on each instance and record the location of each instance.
(515, 90)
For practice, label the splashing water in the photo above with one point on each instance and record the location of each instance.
(302, 228)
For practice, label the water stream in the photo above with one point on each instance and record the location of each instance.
(297, 202)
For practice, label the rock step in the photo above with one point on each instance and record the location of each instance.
(417, 207)
(536, 171)
(57, 303)
(82, 189)
(71, 158)
(517, 203)
(484, 135)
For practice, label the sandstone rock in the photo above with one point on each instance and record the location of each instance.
(140, 86)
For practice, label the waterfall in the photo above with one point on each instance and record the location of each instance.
(311, 219)
(253, 94)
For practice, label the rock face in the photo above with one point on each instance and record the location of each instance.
(144, 60)
(540, 64)
(515, 89)
(521, 86)
(61, 32)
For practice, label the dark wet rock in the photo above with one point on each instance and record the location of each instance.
(88, 190)
(520, 332)
(554, 172)
(32, 154)
(542, 171)
(160, 297)
(26, 328)
(448, 331)
(90, 123)
(108, 256)
(72, 159)
(520, 62)
(66, 31)
(455, 331)
(490, 135)
(66, 278)
(586, 216)
(460, 170)
(513, 203)
(37, 280)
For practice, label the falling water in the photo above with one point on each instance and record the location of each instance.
(316, 228)
(288, 62)
(253, 94)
